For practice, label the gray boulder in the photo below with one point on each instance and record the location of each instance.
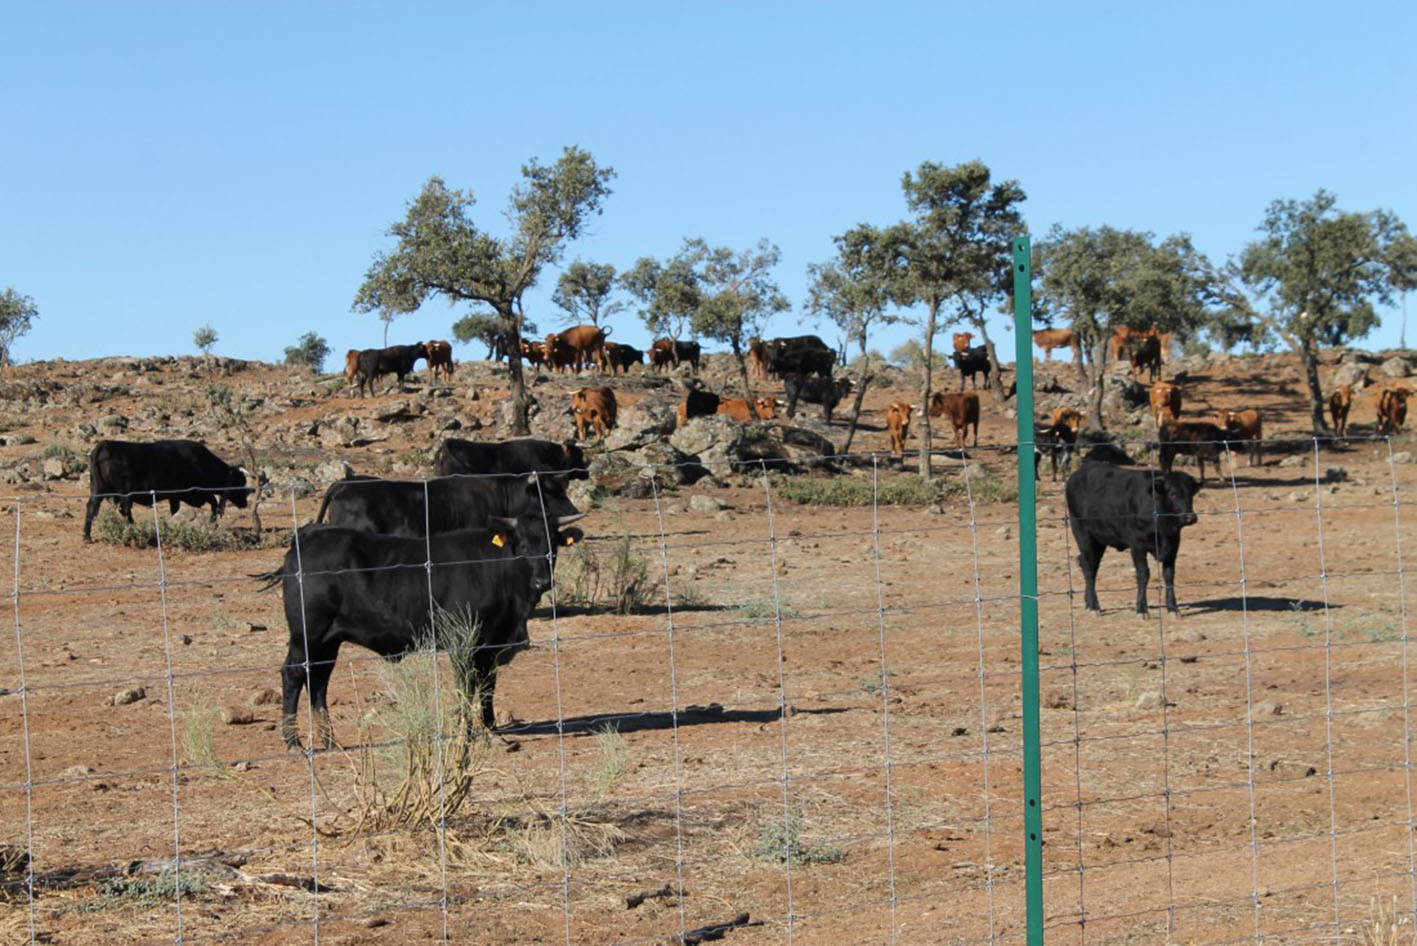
(1395, 367)
(641, 424)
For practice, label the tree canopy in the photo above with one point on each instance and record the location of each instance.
(442, 252)
(668, 293)
(583, 292)
(17, 313)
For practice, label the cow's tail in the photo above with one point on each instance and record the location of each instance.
(607, 329)
(325, 503)
(269, 580)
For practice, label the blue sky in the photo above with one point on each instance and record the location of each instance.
(170, 165)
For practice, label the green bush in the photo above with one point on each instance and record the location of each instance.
(309, 352)
(780, 841)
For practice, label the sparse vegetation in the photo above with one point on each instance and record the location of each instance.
(629, 577)
(113, 529)
(148, 891)
(309, 352)
(780, 842)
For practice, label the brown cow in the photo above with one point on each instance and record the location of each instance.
(440, 360)
(1164, 397)
(1147, 354)
(737, 408)
(1392, 410)
(585, 343)
(666, 353)
(963, 410)
(1122, 336)
(1051, 338)
(351, 365)
(1198, 438)
(1069, 417)
(962, 340)
(1244, 425)
(1340, 402)
(558, 353)
(898, 426)
(593, 407)
(533, 353)
(758, 357)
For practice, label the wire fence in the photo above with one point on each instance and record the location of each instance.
(800, 723)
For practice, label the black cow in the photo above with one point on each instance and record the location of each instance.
(621, 357)
(396, 507)
(827, 392)
(970, 362)
(1139, 510)
(180, 471)
(799, 355)
(457, 457)
(1107, 453)
(374, 590)
(376, 362)
(1056, 441)
(1199, 439)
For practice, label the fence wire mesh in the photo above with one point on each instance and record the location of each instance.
(741, 710)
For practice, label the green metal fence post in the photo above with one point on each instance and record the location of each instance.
(1028, 592)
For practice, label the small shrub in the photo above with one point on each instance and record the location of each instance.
(629, 583)
(578, 577)
(205, 338)
(611, 767)
(113, 529)
(59, 450)
(857, 491)
(150, 891)
(761, 609)
(780, 841)
(309, 352)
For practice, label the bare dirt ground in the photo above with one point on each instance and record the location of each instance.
(1241, 772)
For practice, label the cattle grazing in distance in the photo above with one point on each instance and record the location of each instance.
(179, 471)
(593, 408)
(757, 357)
(374, 363)
(898, 425)
(827, 392)
(706, 403)
(1140, 511)
(533, 353)
(620, 357)
(798, 355)
(1392, 410)
(962, 340)
(1051, 338)
(666, 353)
(1199, 439)
(440, 360)
(1070, 417)
(1244, 425)
(1056, 441)
(351, 365)
(517, 457)
(559, 355)
(382, 592)
(962, 408)
(579, 346)
(397, 507)
(970, 362)
(1340, 402)
(1165, 397)
(1122, 336)
(1147, 354)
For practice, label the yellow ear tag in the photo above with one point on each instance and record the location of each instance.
(498, 540)
(570, 540)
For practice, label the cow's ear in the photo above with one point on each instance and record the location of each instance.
(571, 536)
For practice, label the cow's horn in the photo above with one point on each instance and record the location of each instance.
(568, 519)
(502, 522)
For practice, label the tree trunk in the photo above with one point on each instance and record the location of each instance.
(1309, 358)
(996, 380)
(926, 389)
(1096, 377)
(521, 424)
(737, 343)
(863, 378)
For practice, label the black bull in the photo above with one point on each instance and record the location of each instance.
(381, 592)
(397, 507)
(1138, 510)
(179, 471)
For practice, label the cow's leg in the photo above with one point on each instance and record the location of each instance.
(976, 431)
(1168, 577)
(1143, 569)
(125, 508)
(89, 513)
(320, 672)
(1089, 557)
(292, 679)
(174, 503)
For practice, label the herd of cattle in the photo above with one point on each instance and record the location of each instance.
(480, 539)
